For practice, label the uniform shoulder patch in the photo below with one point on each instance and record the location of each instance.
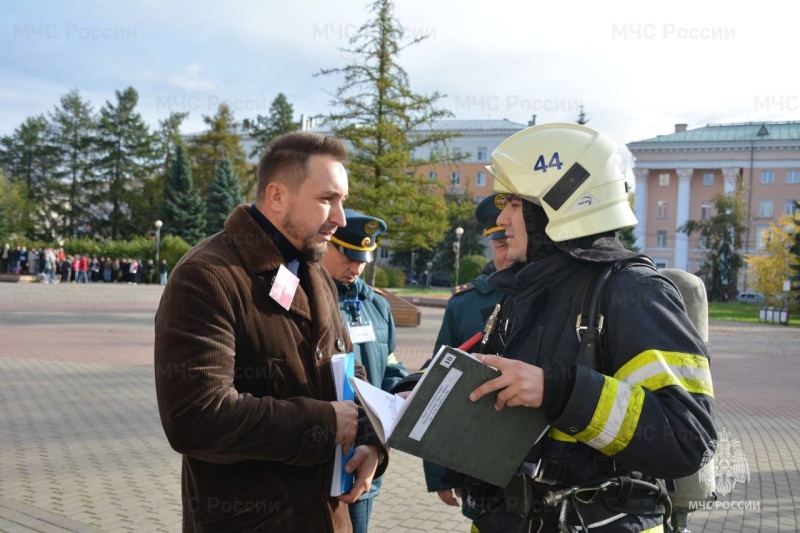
(461, 289)
(378, 291)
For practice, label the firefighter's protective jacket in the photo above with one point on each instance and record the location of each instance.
(646, 412)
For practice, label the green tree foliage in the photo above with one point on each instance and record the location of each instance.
(265, 128)
(183, 208)
(31, 160)
(169, 136)
(14, 206)
(221, 140)
(721, 236)
(386, 125)
(73, 138)
(470, 267)
(127, 154)
(223, 196)
(628, 239)
(794, 251)
(460, 214)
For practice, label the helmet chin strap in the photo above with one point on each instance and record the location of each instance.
(539, 244)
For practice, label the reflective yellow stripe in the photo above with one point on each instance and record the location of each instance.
(615, 418)
(560, 436)
(654, 369)
(601, 412)
(391, 359)
(657, 529)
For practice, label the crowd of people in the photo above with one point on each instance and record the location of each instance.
(53, 265)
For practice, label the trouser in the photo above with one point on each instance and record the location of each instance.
(359, 514)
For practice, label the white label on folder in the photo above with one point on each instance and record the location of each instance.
(435, 403)
(447, 360)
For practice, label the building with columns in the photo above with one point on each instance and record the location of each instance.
(678, 174)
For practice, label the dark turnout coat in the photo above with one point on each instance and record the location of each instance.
(244, 387)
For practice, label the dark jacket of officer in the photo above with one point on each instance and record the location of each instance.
(382, 368)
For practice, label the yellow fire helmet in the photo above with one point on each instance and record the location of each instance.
(575, 173)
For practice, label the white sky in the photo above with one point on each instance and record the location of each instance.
(637, 67)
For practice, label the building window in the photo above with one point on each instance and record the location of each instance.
(708, 179)
(789, 207)
(662, 209)
(383, 252)
(661, 239)
(762, 237)
(793, 176)
(661, 263)
(767, 176)
(480, 181)
(482, 154)
(455, 179)
(705, 210)
(765, 209)
(704, 242)
(663, 180)
(432, 175)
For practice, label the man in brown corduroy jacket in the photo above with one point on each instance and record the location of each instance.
(244, 384)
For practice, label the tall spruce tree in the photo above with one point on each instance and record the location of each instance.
(127, 158)
(388, 126)
(721, 236)
(222, 140)
(73, 133)
(265, 128)
(223, 196)
(183, 209)
(169, 133)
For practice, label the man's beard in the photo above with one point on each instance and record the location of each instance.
(310, 252)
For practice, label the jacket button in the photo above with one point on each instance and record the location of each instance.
(319, 353)
(317, 435)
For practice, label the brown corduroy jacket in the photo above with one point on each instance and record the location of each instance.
(244, 387)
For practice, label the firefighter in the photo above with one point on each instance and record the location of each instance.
(641, 412)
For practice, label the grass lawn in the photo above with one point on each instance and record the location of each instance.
(433, 292)
(742, 313)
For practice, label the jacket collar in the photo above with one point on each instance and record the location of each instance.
(258, 252)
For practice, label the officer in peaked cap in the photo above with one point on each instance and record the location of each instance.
(358, 240)
(368, 317)
(467, 312)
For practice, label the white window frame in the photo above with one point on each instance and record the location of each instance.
(788, 207)
(663, 179)
(767, 177)
(708, 179)
(661, 239)
(661, 210)
(792, 176)
(705, 210)
(762, 237)
(480, 179)
(765, 209)
(455, 179)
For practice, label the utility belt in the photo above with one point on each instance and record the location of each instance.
(540, 491)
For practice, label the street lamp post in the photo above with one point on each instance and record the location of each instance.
(789, 229)
(158, 240)
(457, 248)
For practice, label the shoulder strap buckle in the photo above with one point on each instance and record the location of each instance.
(580, 328)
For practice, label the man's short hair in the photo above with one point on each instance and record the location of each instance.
(286, 158)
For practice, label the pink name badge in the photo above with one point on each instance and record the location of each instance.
(284, 287)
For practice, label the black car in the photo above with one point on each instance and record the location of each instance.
(440, 279)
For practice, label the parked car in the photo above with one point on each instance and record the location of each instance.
(440, 279)
(750, 298)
